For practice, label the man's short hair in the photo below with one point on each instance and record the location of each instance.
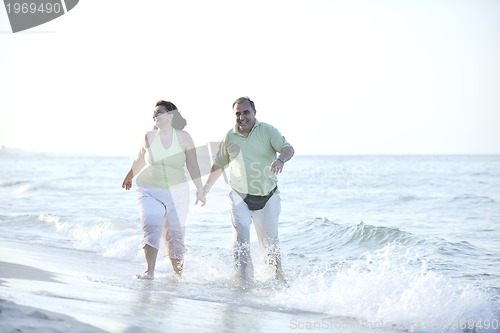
(243, 99)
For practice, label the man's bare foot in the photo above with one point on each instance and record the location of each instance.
(280, 277)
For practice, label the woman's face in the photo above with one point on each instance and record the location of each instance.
(161, 115)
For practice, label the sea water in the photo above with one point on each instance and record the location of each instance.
(405, 243)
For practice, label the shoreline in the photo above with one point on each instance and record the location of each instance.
(26, 319)
(43, 290)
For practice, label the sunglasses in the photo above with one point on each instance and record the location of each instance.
(156, 113)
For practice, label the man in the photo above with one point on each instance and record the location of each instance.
(250, 150)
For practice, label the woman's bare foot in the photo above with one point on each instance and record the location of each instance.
(145, 276)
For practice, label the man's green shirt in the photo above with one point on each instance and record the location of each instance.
(250, 158)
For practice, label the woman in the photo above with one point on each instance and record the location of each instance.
(163, 187)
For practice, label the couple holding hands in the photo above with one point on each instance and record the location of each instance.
(254, 151)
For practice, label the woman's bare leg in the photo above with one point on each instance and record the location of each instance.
(177, 265)
(150, 253)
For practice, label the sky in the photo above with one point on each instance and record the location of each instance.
(334, 76)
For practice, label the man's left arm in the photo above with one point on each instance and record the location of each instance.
(285, 155)
(280, 145)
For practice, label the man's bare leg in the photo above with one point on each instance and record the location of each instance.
(274, 259)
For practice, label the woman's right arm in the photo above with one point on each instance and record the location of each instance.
(136, 167)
